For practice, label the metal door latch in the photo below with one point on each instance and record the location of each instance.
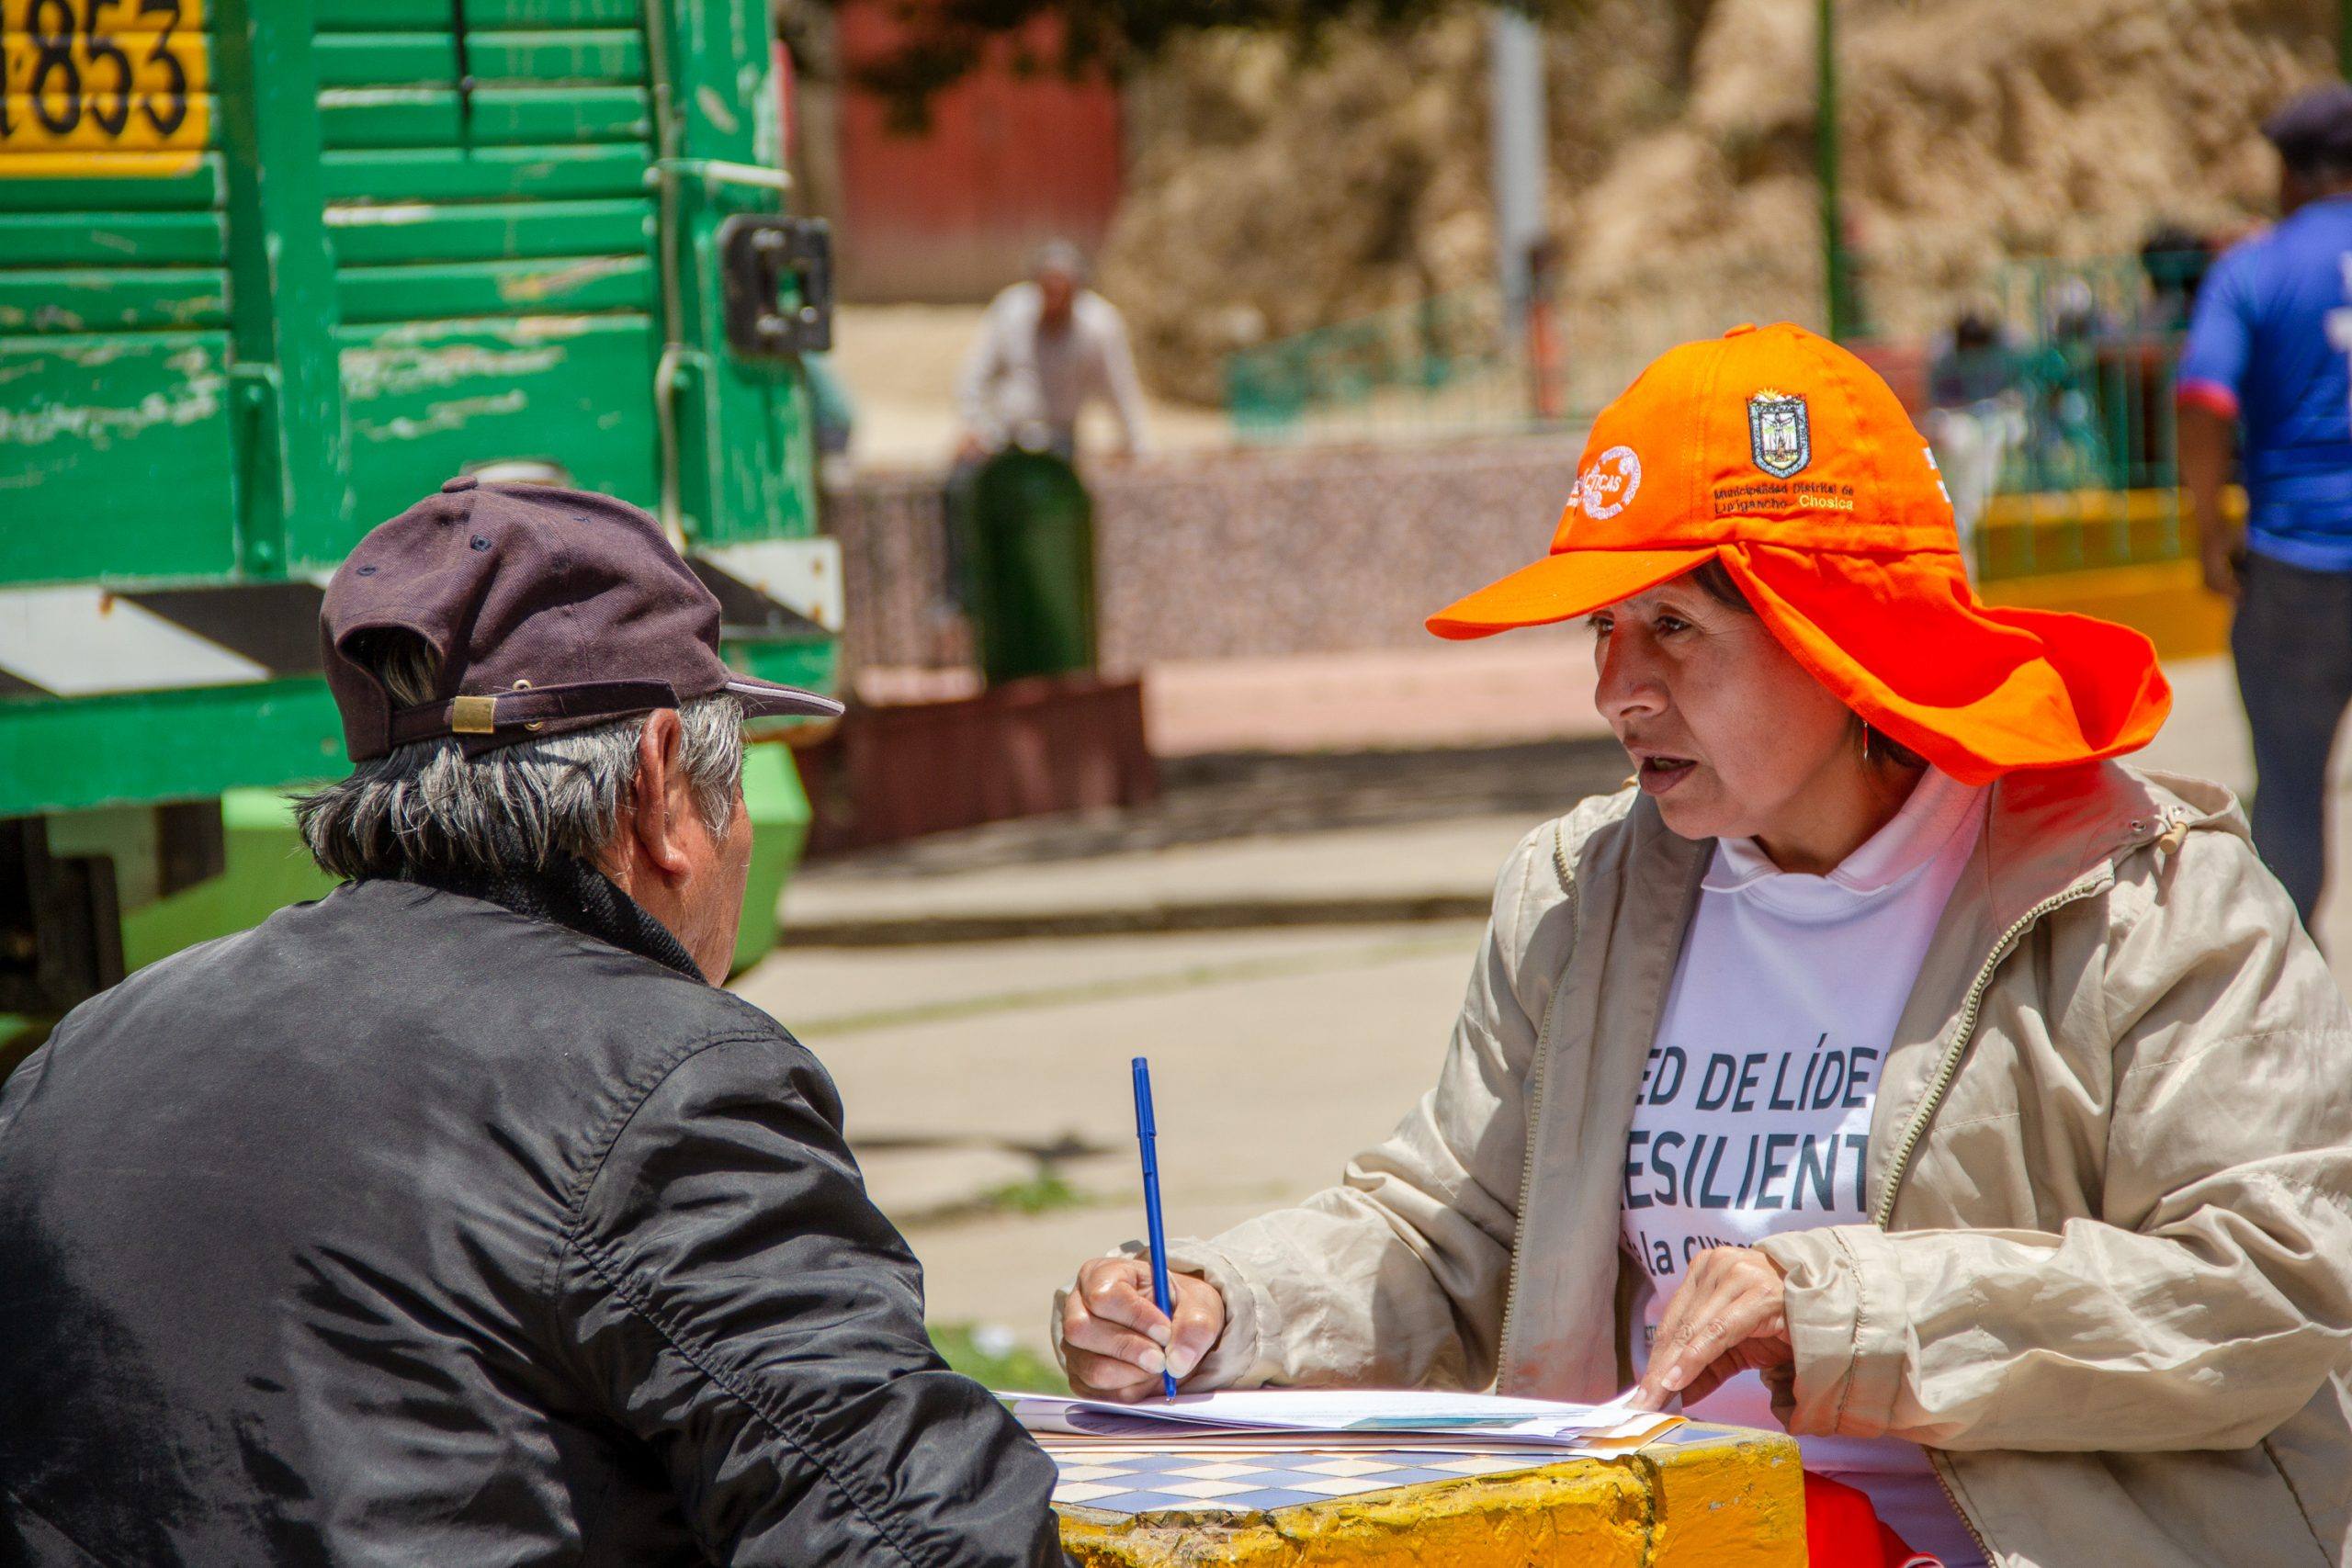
(756, 255)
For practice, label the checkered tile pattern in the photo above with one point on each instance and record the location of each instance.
(1138, 1481)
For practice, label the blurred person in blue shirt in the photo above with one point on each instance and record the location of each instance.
(2266, 359)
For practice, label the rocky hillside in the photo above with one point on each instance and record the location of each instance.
(1272, 193)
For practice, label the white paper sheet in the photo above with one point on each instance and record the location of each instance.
(1404, 1417)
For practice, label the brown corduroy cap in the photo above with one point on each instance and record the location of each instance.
(552, 611)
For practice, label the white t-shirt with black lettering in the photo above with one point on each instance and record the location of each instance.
(1755, 1108)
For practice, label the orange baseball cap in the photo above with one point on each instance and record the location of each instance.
(1789, 460)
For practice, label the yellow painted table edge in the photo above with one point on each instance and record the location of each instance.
(1705, 1497)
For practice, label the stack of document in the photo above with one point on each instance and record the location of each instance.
(1262, 1419)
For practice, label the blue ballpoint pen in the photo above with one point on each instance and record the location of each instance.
(1145, 1135)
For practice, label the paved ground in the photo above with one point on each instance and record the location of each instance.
(1347, 876)
(979, 1067)
(1235, 840)
(1533, 685)
(983, 1076)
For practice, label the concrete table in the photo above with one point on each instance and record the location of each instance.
(1697, 1496)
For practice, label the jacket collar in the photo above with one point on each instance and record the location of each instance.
(2047, 832)
(2050, 827)
(572, 893)
(2046, 829)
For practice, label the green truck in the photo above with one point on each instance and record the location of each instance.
(271, 270)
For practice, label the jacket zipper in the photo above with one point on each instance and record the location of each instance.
(1536, 1107)
(1948, 1069)
(1984, 1547)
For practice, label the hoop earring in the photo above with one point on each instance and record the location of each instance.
(1866, 740)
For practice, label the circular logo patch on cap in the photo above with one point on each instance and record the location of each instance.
(1606, 487)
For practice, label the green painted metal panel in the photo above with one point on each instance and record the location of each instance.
(61, 755)
(427, 399)
(291, 487)
(122, 440)
(363, 60)
(121, 299)
(572, 54)
(263, 869)
(490, 289)
(336, 15)
(582, 54)
(114, 239)
(485, 173)
(779, 809)
(377, 236)
(745, 422)
(199, 187)
(359, 118)
(742, 423)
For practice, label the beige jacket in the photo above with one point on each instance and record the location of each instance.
(2110, 1277)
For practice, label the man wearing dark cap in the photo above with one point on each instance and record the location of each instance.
(460, 1217)
(2267, 361)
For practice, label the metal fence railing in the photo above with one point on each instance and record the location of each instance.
(1434, 367)
(2051, 411)
(1446, 366)
(2073, 437)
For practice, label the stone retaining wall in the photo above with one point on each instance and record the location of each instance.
(1232, 554)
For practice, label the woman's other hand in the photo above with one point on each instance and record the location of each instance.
(1117, 1342)
(1730, 1317)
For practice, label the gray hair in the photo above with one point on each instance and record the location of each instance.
(428, 807)
(1058, 256)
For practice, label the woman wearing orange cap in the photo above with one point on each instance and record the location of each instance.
(1889, 1064)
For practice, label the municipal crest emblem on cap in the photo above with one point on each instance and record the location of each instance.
(1608, 485)
(1780, 436)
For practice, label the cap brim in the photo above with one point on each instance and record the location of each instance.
(1557, 588)
(767, 699)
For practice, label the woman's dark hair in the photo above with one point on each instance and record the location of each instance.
(1715, 581)
(1716, 578)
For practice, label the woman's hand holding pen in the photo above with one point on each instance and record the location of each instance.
(1116, 1344)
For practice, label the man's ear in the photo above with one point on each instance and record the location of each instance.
(661, 786)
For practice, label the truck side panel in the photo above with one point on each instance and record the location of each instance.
(495, 267)
(115, 407)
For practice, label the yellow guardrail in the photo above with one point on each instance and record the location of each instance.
(2127, 555)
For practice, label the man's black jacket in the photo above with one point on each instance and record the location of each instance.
(424, 1226)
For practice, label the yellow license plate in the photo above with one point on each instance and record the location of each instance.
(103, 87)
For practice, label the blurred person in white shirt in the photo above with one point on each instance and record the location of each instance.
(1046, 346)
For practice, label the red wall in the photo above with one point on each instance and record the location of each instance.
(1009, 158)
